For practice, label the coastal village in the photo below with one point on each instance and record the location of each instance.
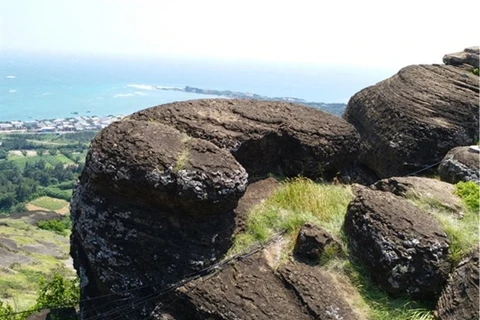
(59, 125)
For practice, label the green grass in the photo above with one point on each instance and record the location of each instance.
(469, 192)
(296, 202)
(49, 203)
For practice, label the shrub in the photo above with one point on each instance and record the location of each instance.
(60, 226)
(475, 71)
(58, 292)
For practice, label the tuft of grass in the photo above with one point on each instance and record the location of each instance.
(296, 202)
(475, 71)
(49, 203)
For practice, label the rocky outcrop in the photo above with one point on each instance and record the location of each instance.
(460, 298)
(469, 56)
(411, 120)
(160, 195)
(265, 136)
(461, 164)
(428, 191)
(312, 242)
(402, 247)
(250, 289)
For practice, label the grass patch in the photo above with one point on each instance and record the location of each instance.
(296, 202)
(49, 203)
(469, 192)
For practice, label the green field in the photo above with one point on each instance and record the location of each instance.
(50, 160)
(49, 203)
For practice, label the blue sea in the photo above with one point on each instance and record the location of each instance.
(46, 86)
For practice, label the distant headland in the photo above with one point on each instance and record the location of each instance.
(334, 108)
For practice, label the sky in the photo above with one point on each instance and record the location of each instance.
(367, 33)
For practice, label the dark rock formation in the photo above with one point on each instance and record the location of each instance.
(312, 242)
(460, 164)
(412, 119)
(358, 173)
(159, 196)
(250, 289)
(460, 298)
(429, 191)
(403, 248)
(265, 136)
(469, 56)
(152, 206)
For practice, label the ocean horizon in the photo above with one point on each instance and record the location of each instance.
(46, 86)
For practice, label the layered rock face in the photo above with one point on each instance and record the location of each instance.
(159, 196)
(412, 119)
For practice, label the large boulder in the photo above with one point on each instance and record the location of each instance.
(461, 164)
(152, 205)
(411, 120)
(460, 298)
(265, 136)
(469, 56)
(403, 248)
(160, 195)
(425, 191)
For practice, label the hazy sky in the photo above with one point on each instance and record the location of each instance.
(366, 33)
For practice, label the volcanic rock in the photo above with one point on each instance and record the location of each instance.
(411, 120)
(312, 242)
(460, 298)
(460, 164)
(403, 248)
(469, 56)
(424, 189)
(265, 136)
(250, 289)
(158, 198)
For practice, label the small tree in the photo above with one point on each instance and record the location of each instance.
(58, 292)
